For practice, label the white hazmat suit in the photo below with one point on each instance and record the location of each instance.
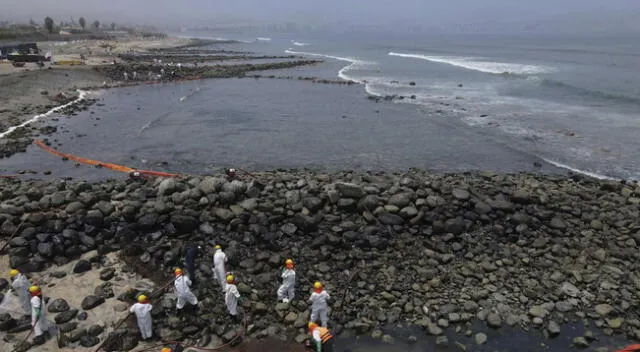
(21, 285)
(183, 292)
(143, 314)
(231, 297)
(38, 316)
(287, 290)
(319, 307)
(219, 271)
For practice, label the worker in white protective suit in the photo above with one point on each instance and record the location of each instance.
(319, 305)
(20, 285)
(39, 321)
(219, 271)
(287, 290)
(231, 297)
(181, 285)
(142, 310)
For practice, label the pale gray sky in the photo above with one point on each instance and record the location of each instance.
(421, 12)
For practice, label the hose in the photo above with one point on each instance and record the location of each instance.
(13, 235)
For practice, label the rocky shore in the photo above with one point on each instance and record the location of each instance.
(435, 251)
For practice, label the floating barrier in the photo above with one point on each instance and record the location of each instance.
(96, 163)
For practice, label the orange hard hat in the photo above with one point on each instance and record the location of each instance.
(166, 349)
(312, 325)
(289, 263)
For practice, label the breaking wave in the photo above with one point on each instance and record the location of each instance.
(474, 64)
(299, 43)
(263, 39)
(578, 171)
(353, 64)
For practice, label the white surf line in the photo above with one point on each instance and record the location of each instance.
(82, 94)
(583, 172)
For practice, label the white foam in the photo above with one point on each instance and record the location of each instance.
(263, 39)
(299, 43)
(587, 173)
(353, 63)
(183, 98)
(81, 95)
(471, 63)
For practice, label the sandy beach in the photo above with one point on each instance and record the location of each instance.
(27, 91)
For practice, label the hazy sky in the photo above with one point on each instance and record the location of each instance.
(422, 12)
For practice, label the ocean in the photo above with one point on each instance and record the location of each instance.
(498, 103)
(572, 101)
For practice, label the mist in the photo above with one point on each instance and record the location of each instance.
(496, 15)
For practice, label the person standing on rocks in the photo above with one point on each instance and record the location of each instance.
(142, 309)
(182, 284)
(190, 259)
(39, 321)
(20, 285)
(322, 338)
(219, 271)
(231, 297)
(174, 347)
(319, 305)
(287, 290)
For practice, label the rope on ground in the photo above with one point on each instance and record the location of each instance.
(13, 235)
(211, 349)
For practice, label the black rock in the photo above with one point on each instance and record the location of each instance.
(95, 330)
(45, 249)
(94, 218)
(4, 284)
(82, 316)
(104, 290)
(58, 306)
(82, 266)
(390, 219)
(67, 327)
(107, 274)
(184, 223)
(7, 322)
(66, 316)
(91, 302)
(312, 203)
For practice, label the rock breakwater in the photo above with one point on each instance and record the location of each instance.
(434, 251)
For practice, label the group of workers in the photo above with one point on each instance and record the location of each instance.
(228, 284)
(31, 301)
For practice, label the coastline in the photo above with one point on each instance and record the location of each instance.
(458, 255)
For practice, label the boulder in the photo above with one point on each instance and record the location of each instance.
(91, 302)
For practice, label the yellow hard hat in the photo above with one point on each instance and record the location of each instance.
(312, 325)
(218, 246)
(289, 261)
(13, 273)
(178, 271)
(166, 349)
(317, 285)
(230, 278)
(34, 289)
(142, 298)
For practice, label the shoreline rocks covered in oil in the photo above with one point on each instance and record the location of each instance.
(434, 251)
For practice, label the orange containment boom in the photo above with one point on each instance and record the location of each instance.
(110, 166)
(631, 348)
